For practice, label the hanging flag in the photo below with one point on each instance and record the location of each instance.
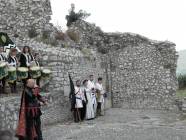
(5, 40)
(7, 43)
(72, 94)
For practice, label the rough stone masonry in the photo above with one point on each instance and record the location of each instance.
(142, 72)
(138, 72)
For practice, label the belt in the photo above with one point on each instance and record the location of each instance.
(78, 98)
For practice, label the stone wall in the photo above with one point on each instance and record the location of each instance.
(62, 61)
(141, 71)
(57, 110)
(66, 60)
(19, 16)
(138, 72)
(143, 76)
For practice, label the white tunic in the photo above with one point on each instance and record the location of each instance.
(91, 86)
(14, 62)
(100, 88)
(28, 58)
(89, 108)
(79, 97)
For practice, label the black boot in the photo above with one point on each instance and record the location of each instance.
(1, 89)
(12, 88)
(98, 112)
(15, 89)
(4, 90)
(75, 116)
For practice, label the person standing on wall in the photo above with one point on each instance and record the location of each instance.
(26, 58)
(29, 124)
(3, 80)
(13, 62)
(89, 105)
(100, 97)
(91, 87)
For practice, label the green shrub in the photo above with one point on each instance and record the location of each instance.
(182, 81)
(46, 35)
(65, 45)
(32, 32)
(87, 53)
(48, 41)
(73, 17)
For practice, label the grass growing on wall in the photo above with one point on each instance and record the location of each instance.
(32, 33)
(87, 52)
(73, 35)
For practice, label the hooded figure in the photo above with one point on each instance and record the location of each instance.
(29, 125)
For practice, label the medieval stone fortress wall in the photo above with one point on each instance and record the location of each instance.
(138, 72)
(18, 16)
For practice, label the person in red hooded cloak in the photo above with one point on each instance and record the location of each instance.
(29, 125)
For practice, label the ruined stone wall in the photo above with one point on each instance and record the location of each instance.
(19, 16)
(142, 72)
(61, 61)
(57, 110)
(143, 77)
(138, 72)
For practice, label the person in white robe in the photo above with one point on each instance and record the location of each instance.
(89, 106)
(79, 101)
(91, 87)
(100, 97)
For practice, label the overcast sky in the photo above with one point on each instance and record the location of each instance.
(155, 19)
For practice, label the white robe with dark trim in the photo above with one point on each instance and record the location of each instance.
(79, 97)
(91, 86)
(89, 107)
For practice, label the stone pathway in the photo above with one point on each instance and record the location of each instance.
(119, 124)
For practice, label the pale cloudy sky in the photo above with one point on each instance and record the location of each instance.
(155, 19)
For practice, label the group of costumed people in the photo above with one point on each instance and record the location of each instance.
(87, 100)
(24, 68)
(13, 68)
(29, 125)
